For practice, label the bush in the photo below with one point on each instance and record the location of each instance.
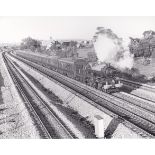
(134, 74)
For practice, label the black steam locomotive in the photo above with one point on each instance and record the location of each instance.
(103, 77)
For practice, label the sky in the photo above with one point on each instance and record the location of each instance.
(14, 29)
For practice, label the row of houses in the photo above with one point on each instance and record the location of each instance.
(71, 48)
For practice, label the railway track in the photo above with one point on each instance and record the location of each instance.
(48, 124)
(136, 100)
(143, 91)
(132, 84)
(105, 100)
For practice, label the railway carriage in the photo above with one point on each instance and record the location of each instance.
(66, 66)
(53, 62)
(81, 68)
(48, 61)
(74, 68)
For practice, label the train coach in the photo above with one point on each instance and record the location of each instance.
(103, 77)
(74, 68)
(48, 61)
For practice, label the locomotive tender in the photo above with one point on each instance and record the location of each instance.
(103, 77)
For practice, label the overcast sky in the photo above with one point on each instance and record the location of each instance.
(13, 29)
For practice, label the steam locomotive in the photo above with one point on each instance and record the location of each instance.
(102, 77)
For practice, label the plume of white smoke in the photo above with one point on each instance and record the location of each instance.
(126, 61)
(109, 48)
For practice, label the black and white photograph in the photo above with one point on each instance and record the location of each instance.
(74, 77)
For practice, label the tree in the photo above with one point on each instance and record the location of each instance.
(32, 44)
(56, 48)
(142, 47)
(148, 34)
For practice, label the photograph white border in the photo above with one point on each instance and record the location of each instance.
(77, 8)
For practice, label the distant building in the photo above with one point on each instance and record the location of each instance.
(71, 48)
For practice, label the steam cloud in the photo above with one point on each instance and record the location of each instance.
(109, 48)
